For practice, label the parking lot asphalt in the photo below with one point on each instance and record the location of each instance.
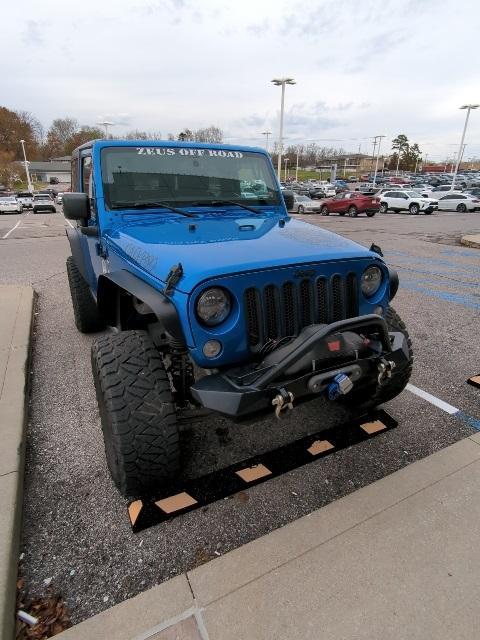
(76, 534)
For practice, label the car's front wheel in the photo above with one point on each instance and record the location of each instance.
(352, 212)
(137, 412)
(324, 210)
(370, 214)
(414, 209)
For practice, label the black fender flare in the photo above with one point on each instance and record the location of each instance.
(394, 282)
(161, 306)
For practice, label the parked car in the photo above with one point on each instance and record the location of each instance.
(25, 198)
(460, 202)
(474, 192)
(442, 190)
(351, 203)
(43, 202)
(403, 200)
(304, 204)
(59, 198)
(9, 204)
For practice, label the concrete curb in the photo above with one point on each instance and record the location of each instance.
(471, 241)
(16, 319)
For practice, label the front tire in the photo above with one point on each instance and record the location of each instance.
(300, 209)
(137, 412)
(324, 211)
(373, 395)
(414, 209)
(85, 310)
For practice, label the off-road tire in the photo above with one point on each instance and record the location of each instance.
(85, 310)
(373, 395)
(137, 412)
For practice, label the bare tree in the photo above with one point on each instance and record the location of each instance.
(209, 134)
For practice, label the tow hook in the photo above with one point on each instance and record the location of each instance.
(385, 368)
(340, 386)
(282, 401)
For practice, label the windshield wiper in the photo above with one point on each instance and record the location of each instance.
(150, 205)
(213, 203)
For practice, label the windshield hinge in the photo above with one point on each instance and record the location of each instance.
(174, 276)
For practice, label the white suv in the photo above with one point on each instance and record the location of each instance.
(407, 201)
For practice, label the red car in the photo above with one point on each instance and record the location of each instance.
(351, 203)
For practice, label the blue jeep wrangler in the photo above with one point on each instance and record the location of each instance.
(216, 298)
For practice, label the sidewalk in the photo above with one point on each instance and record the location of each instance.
(471, 241)
(397, 559)
(16, 310)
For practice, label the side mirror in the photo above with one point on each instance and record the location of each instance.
(288, 199)
(76, 206)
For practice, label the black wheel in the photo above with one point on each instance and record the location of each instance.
(324, 210)
(371, 396)
(136, 410)
(352, 212)
(85, 310)
(461, 208)
(414, 209)
(300, 209)
(370, 214)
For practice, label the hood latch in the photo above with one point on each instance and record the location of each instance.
(174, 276)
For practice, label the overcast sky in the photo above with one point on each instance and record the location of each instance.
(363, 67)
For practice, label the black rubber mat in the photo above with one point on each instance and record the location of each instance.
(179, 498)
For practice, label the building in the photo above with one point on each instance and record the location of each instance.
(353, 163)
(44, 171)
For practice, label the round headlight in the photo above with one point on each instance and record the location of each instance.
(371, 281)
(213, 306)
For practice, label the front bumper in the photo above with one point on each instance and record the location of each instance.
(241, 391)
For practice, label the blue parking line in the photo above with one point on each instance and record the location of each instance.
(456, 298)
(468, 420)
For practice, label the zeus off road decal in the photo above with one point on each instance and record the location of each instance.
(199, 153)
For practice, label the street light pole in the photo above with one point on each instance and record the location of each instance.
(266, 134)
(106, 124)
(378, 156)
(296, 168)
(286, 161)
(281, 82)
(29, 182)
(468, 107)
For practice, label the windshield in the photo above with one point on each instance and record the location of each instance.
(180, 176)
(7, 199)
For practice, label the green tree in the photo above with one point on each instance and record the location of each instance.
(60, 133)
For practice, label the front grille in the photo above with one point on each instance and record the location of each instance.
(278, 311)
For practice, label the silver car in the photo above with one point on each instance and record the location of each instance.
(9, 204)
(304, 204)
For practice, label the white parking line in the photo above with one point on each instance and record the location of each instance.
(444, 406)
(12, 229)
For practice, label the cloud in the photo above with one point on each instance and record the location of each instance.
(33, 33)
